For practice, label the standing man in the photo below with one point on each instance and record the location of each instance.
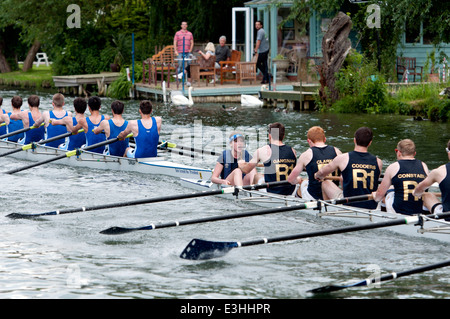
(440, 175)
(279, 160)
(360, 171)
(403, 175)
(317, 156)
(262, 48)
(183, 36)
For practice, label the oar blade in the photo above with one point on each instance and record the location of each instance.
(199, 249)
(30, 216)
(332, 288)
(122, 230)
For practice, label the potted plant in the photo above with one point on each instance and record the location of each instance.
(431, 58)
(282, 66)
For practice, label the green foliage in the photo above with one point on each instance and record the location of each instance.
(120, 88)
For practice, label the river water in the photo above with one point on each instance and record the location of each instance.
(66, 257)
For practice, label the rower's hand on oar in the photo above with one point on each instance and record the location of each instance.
(318, 178)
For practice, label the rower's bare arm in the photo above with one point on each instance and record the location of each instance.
(216, 173)
(386, 182)
(301, 163)
(338, 162)
(433, 177)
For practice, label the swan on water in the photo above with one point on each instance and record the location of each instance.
(180, 100)
(249, 100)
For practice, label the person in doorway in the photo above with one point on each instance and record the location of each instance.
(317, 156)
(145, 131)
(278, 159)
(360, 171)
(227, 171)
(262, 49)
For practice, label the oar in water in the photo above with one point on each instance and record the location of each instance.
(191, 149)
(23, 130)
(307, 205)
(67, 154)
(199, 249)
(226, 190)
(33, 145)
(391, 276)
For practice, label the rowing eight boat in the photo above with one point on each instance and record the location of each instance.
(155, 166)
(429, 228)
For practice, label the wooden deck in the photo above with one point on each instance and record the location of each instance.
(102, 80)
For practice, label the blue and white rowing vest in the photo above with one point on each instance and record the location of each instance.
(92, 138)
(147, 140)
(76, 140)
(15, 125)
(36, 134)
(118, 148)
(56, 130)
(360, 177)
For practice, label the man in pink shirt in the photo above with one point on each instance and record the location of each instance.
(178, 45)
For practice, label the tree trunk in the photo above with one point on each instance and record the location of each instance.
(31, 56)
(4, 65)
(335, 48)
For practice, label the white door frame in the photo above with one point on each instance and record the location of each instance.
(249, 43)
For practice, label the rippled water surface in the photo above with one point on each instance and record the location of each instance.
(66, 257)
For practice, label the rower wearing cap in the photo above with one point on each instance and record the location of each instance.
(440, 175)
(278, 158)
(227, 169)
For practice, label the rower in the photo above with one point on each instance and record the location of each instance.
(403, 175)
(317, 156)
(73, 124)
(227, 169)
(113, 127)
(92, 122)
(440, 175)
(57, 113)
(145, 131)
(279, 160)
(15, 124)
(29, 119)
(360, 171)
(3, 119)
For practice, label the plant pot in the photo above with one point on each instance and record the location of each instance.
(282, 67)
(433, 77)
(114, 67)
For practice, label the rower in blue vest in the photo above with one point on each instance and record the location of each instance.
(15, 125)
(360, 171)
(145, 131)
(92, 122)
(57, 113)
(278, 158)
(112, 129)
(441, 176)
(227, 171)
(317, 156)
(28, 119)
(77, 139)
(404, 176)
(3, 119)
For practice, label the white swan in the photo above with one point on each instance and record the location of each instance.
(249, 100)
(179, 99)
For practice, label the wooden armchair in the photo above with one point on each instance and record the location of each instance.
(230, 66)
(161, 62)
(246, 71)
(404, 63)
(207, 68)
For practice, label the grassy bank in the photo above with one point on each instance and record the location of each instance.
(37, 77)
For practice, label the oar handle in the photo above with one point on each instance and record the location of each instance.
(20, 131)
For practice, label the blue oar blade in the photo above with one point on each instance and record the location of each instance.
(199, 249)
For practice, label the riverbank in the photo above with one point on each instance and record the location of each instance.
(36, 78)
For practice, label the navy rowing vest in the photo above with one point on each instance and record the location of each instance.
(444, 185)
(15, 125)
(230, 163)
(36, 134)
(92, 138)
(410, 174)
(118, 148)
(278, 168)
(360, 177)
(56, 130)
(321, 157)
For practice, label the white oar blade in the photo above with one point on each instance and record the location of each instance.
(199, 249)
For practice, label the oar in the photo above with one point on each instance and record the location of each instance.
(19, 131)
(307, 205)
(67, 154)
(391, 276)
(226, 190)
(33, 145)
(191, 149)
(199, 249)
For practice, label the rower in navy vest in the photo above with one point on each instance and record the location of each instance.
(317, 156)
(279, 160)
(400, 179)
(360, 171)
(145, 132)
(440, 175)
(112, 129)
(227, 169)
(29, 119)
